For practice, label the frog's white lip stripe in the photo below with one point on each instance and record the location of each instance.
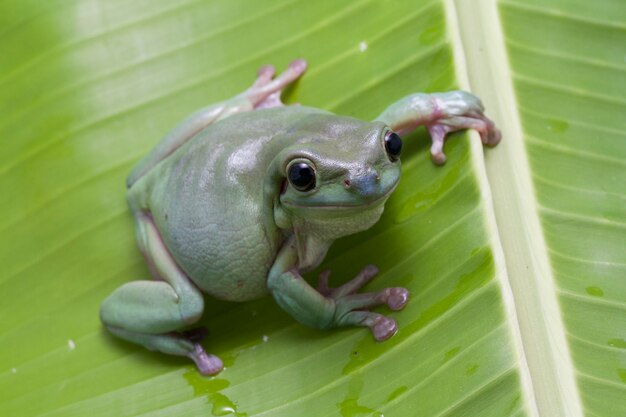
(336, 207)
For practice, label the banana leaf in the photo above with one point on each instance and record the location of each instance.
(515, 256)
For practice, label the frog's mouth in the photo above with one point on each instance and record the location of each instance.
(344, 207)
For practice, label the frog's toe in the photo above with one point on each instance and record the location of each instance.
(265, 92)
(298, 66)
(383, 328)
(397, 298)
(438, 133)
(438, 158)
(350, 287)
(353, 310)
(491, 135)
(264, 75)
(207, 364)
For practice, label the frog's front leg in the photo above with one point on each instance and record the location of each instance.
(326, 308)
(441, 113)
(151, 313)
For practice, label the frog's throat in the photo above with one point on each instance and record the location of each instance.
(311, 250)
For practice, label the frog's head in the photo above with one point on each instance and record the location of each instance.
(335, 176)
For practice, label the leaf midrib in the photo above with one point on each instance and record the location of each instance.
(528, 270)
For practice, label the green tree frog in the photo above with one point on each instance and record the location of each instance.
(245, 195)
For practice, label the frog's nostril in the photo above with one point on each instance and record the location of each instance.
(367, 184)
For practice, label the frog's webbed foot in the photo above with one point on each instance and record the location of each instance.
(207, 364)
(351, 307)
(455, 111)
(266, 90)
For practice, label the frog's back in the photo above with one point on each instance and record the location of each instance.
(207, 200)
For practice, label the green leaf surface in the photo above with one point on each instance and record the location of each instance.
(569, 76)
(518, 303)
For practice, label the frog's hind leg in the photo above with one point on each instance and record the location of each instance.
(266, 83)
(264, 93)
(173, 344)
(151, 313)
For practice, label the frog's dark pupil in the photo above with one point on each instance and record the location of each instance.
(302, 176)
(393, 145)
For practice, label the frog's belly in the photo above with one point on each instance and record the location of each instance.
(232, 286)
(227, 263)
(213, 217)
(236, 275)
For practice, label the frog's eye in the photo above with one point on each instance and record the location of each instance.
(393, 146)
(302, 176)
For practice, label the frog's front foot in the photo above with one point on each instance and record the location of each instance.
(266, 90)
(440, 113)
(454, 111)
(351, 307)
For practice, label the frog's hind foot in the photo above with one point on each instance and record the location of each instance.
(207, 364)
(266, 90)
(174, 343)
